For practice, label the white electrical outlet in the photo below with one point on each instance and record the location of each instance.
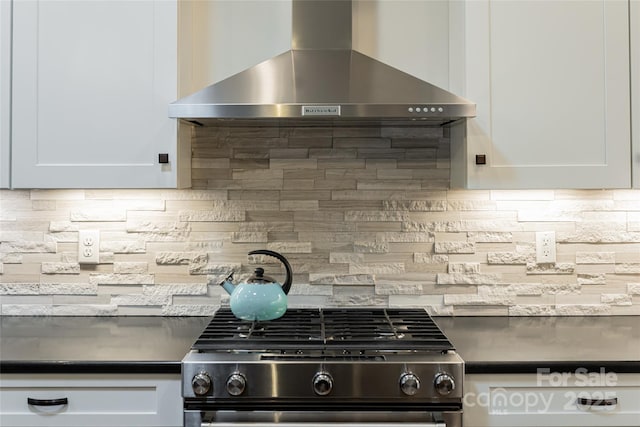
(545, 247)
(89, 247)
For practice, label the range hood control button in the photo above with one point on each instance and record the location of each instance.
(201, 383)
(236, 384)
(409, 384)
(322, 383)
(444, 384)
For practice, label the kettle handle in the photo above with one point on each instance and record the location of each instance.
(289, 278)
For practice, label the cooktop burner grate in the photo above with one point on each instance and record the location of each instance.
(353, 329)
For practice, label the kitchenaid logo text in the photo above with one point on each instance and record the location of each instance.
(321, 110)
(581, 377)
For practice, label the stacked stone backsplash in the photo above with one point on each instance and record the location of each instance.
(364, 215)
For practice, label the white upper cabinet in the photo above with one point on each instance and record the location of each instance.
(5, 93)
(551, 82)
(635, 88)
(91, 83)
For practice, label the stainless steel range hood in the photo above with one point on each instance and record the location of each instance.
(322, 80)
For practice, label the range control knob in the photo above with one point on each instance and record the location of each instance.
(444, 384)
(409, 384)
(322, 383)
(236, 383)
(201, 383)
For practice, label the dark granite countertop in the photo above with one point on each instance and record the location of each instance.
(559, 344)
(96, 344)
(158, 344)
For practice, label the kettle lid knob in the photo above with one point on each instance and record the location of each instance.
(259, 277)
(289, 277)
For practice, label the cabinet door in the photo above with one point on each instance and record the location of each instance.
(552, 399)
(98, 400)
(5, 92)
(551, 80)
(635, 88)
(91, 85)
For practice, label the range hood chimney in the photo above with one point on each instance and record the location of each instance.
(322, 80)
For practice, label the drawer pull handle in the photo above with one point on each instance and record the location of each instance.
(47, 402)
(597, 402)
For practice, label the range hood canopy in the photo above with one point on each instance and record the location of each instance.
(322, 80)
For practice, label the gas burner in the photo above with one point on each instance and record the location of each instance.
(360, 329)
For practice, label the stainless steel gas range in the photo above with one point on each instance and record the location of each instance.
(312, 367)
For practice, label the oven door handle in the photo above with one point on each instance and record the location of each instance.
(307, 424)
(314, 418)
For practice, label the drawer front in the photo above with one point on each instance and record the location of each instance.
(96, 400)
(556, 400)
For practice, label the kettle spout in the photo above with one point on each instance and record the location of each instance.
(228, 285)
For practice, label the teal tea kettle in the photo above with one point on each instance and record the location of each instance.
(261, 297)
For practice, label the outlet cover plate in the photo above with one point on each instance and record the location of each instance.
(545, 247)
(89, 247)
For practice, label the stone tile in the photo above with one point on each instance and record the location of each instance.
(478, 300)
(27, 309)
(28, 247)
(122, 247)
(180, 258)
(454, 247)
(84, 310)
(389, 184)
(415, 205)
(510, 258)
(290, 247)
(377, 268)
(19, 289)
(189, 310)
(60, 268)
(616, 299)
(467, 279)
(211, 215)
(130, 267)
(322, 154)
(595, 257)
(121, 279)
(475, 310)
(627, 268)
(582, 310)
(68, 289)
(175, 289)
(532, 310)
(249, 237)
(558, 268)
(349, 279)
(364, 215)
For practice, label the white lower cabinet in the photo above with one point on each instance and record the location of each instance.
(103, 400)
(576, 399)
